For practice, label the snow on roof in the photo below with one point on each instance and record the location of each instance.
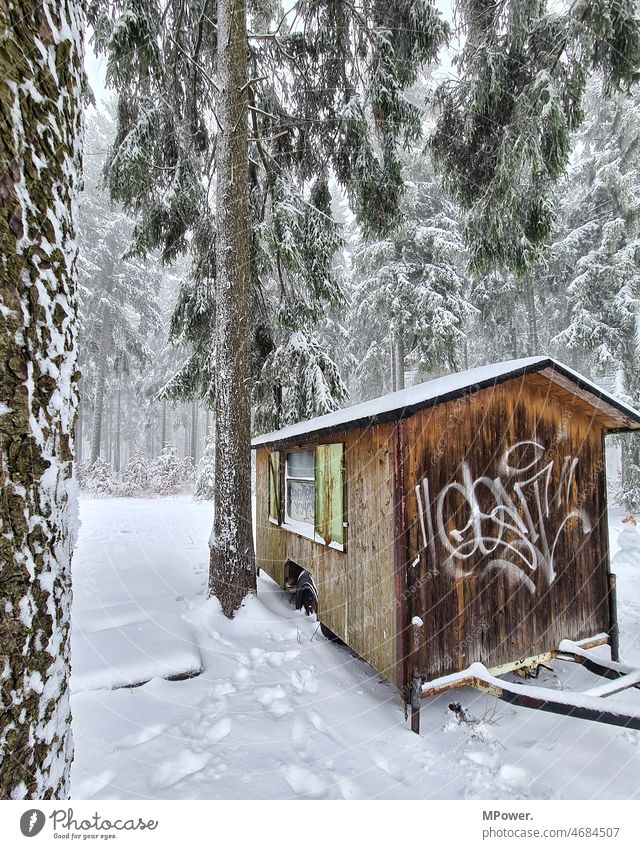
(398, 405)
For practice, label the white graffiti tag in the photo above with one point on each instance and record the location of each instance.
(525, 511)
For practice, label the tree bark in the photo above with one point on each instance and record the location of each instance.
(163, 428)
(194, 431)
(398, 354)
(232, 561)
(103, 350)
(41, 47)
(78, 431)
(116, 444)
(531, 319)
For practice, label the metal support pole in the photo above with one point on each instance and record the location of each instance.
(614, 631)
(416, 680)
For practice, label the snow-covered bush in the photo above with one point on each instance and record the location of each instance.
(134, 480)
(188, 473)
(99, 478)
(168, 472)
(206, 466)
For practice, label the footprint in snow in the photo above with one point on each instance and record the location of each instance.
(268, 695)
(224, 688)
(277, 658)
(304, 681)
(183, 765)
(301, 742)
(256, 657)
(91, 785)
(219, 730)
(304, 782)
(386, 766)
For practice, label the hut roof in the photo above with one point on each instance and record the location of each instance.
(399, 405)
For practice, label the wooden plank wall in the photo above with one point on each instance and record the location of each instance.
(355, 587)
(486, 589)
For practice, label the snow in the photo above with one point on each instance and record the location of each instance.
(280, 712)
(438, 389)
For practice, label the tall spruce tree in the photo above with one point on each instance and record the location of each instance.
(409, 302)
(119, 296)
(503, 137)
(41, 81)
(598, 242)
(314, 90)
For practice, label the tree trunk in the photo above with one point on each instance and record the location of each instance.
(107, 446)
(41, 46)
(116, 444)
(163, 428)
(78, 432)
(232, 564)
(105, 341)
(532, 322)
(194, 431)
(392, 352)
(398, 355)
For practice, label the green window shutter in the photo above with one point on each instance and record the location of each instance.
(329, 512)
(274, 487)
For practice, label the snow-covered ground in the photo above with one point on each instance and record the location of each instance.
(279, 712)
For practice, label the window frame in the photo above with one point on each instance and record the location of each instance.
(306, 529)
(287, 522)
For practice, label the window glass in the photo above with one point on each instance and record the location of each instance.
(300, 498)
(300, 464)
(300, 486)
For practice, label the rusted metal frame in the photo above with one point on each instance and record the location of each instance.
(598, 666)
(614, 630)
(416, 678)
(576, 711)
(543, 702)
(400, 556)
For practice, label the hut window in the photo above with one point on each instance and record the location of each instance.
(299, 487)
(275, 499)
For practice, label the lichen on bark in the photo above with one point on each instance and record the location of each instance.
(41, 86)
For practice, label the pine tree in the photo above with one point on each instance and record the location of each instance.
(41, 82)
(135, 477)
(99, 479)
(321, 88)
(119, 296)
(205, 480)
(167, 472)
(598, 246)
(409, 301)
(503, 137)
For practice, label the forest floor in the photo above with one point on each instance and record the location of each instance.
(280, 712)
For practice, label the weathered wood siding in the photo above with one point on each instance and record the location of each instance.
(355, 587)
(510, 525)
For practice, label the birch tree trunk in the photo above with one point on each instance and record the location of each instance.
(41, 79)
(232, 562)
(103, 350)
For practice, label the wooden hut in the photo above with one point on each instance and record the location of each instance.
(476, 502)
